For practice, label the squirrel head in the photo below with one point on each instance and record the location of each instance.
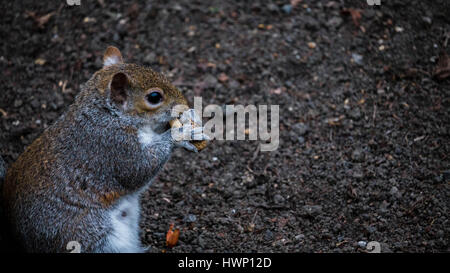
(137, 91)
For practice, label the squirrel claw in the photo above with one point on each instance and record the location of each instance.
(187, 145)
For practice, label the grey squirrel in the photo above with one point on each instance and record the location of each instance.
(80, 181)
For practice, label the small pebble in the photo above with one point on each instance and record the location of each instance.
(278, 199)
(358, 155)
(272, 7)
(239, 228)
(287, 8)
(357, 173)
(300, 128)
(362, 244)
(355, 113)
(394, 190)
(150, 58)
(201, 242)
(268, 235)
(18, 103)
(357, 58)
(190, 218)
(371, 229)
(399, 29)
(335, 22)
(427, 20)
(312, 210)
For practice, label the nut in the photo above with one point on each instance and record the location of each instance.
(199, 144)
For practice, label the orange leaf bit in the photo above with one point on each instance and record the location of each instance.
(354, 13)
(172, 236)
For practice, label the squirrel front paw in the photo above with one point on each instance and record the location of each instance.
(183, 135)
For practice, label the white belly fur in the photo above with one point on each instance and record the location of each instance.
(124, 218)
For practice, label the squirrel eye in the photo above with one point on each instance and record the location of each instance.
(154, 98)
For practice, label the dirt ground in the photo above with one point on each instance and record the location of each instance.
(364, 114)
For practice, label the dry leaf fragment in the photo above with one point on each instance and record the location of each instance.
(3, 112)
(89, 20)
(341, 243)
(442, 69)
(40, 20)
(312, 45)
(223, 77)
(419, 138)
(40, 61)
(277, 91)
(335, 121)
(172, 236)
(251, 227)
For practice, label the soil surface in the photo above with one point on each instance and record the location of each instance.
(364, 116)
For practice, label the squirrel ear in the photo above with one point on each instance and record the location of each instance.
(118, 86)
(112, 56)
